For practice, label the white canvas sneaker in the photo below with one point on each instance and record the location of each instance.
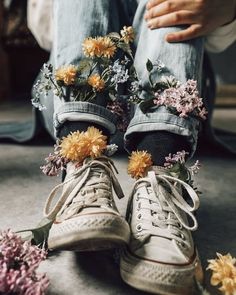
(85, 216)
(161, 257)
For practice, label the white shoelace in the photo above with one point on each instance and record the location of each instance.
(84, 188)
(164, 204)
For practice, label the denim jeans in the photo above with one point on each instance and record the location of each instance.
(74, 20)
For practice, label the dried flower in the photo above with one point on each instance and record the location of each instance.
(79, 145)
(99, 47)
(127, 34)
(122, 110)
(108, 47)
(66, 74)
(116, 108)
(184, 99)
(55, 163)
(19, 261)
(224, 273)
(96, 82)
(139, 162)
(90, 47)
(94, 141)
(70, 146)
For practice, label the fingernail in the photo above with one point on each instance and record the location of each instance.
(146, 15)
(149, 24)
(169, 38)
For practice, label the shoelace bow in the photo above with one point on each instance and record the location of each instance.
(167, 202)
(84, 178)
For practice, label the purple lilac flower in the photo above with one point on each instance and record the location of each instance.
(122, 111)
(55, 163)
(179, 157)
(184, 99)
(18, 263)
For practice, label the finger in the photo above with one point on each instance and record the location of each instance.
(172, 19)
(191, 32)
(152, 3)
(166, 7)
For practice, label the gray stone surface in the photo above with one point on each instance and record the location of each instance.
(23, 191)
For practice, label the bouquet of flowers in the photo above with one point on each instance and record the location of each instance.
(182, 100)
(106, 66)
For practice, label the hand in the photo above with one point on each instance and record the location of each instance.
(201, 16)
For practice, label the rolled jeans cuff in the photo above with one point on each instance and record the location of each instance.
(160, 119)
(84, 112)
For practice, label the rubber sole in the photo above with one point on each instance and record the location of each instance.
(89, 233)
(157, 278)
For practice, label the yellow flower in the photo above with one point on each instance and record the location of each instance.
(96, 82)
(99, 47)
(127, 34)
(79, 145)
(108, 46)
(67, 74)
(91, 47)
(224, 273)
(70, 148)
(94, 142)
(139, 162)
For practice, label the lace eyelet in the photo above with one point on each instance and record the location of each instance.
(183, 245)
(82, 193)
(137, 196)
(183, 237)
(139, 216)
(139, 227)
(138, 206)
(180, 226)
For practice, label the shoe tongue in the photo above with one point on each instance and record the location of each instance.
(70, 168)
(160, 170)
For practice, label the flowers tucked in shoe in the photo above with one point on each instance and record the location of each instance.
(85, 215)
(161, 257)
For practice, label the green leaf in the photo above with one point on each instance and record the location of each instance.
(180, 171)
(114, 35)
(39, 234)
(146, 104)
(160, 86)
(84, 65)
(149, 65)
(125, 47)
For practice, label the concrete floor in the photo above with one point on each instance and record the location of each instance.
(23, 191)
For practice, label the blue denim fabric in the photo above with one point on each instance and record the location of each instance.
(74, 20)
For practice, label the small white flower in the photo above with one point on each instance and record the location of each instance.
(120, 73)
(38, 105)
(56, 92)
(159, 65)
(111, 150)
